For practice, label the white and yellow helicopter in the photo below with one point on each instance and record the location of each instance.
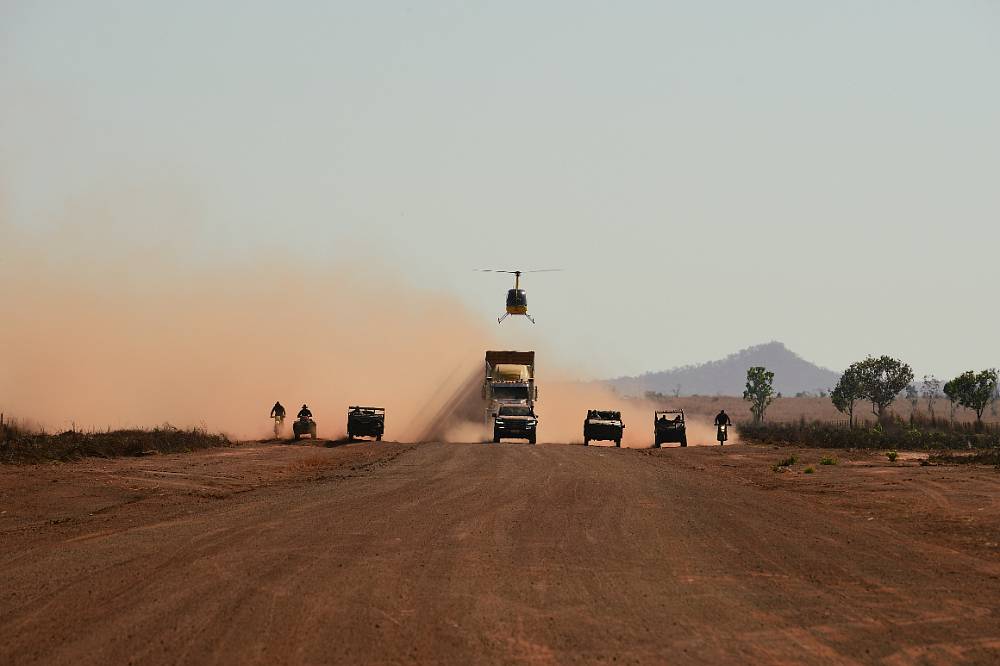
(517, 298)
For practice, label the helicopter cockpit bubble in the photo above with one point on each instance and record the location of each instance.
(517, 298)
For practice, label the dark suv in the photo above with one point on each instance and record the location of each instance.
(515, 421)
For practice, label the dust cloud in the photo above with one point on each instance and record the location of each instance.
(99, 335)
(564, 403)
(105, 339)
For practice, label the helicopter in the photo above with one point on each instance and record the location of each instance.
(517, 299)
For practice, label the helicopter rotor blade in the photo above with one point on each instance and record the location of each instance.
(537, 270)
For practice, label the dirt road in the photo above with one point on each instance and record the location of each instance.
(513, 553)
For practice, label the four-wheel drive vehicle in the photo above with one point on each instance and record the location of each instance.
(603, 425)
(366, 422)
(304, 426)
(669, 427)
(516, 421)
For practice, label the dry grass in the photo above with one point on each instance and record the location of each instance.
(19, 445)
(984, 457)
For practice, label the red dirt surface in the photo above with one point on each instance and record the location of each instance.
(454, 553)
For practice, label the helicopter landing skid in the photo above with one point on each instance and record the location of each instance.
(507, 314)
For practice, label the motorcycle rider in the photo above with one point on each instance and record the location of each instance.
(722, 423)
(304, 413)
(278, 411)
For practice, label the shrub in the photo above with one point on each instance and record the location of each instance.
(892, 455)
(21, 446)
(834, 436)
(809, 470)
(827, 460)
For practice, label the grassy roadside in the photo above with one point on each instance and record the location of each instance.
(20, 446)
(896, 437)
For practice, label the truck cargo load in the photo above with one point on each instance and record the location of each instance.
(508, 372)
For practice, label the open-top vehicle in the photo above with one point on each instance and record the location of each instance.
(606, 425)
(669, 427)
(365, 422)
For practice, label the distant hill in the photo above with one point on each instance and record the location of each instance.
(792, 374)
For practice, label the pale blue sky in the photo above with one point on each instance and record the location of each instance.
(829, 171)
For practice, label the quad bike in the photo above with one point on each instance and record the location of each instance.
(304, 426)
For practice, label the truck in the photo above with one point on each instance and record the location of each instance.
(603, 425)
(365, 422)
(509, 380)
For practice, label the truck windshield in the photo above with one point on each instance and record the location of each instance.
(510, 393)
(515, 410)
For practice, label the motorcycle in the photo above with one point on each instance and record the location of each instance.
(723, 434)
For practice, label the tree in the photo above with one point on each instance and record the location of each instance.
(951, 392)
(930, 390)
(759, 391)
(847, 392)
(975, 390)
(913, 396)
(882, 379)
